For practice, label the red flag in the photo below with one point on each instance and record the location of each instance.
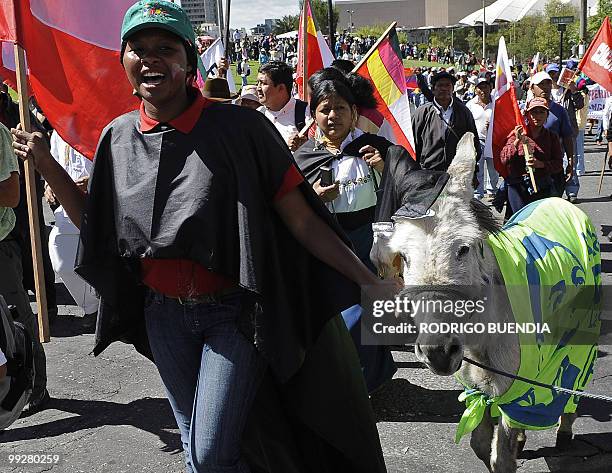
(506, 113)
(385, 70)
(597, 61)
(7, 64)
(73, 59)
(8, 25)
(317, 50)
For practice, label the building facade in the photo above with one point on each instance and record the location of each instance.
(409, 14)
(200, 11)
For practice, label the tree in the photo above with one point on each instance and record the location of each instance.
(319, 10)
(286, 24)
(604, 8)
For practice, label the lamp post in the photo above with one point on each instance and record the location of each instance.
(330, 25)
(484, 30)
(350, 13)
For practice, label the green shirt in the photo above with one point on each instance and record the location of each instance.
(8, 165)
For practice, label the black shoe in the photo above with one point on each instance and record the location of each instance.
(37, 404)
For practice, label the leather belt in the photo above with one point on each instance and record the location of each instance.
(208, 298)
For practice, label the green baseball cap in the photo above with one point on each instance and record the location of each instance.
(157, 14)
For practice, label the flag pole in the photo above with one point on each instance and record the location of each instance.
(601, 176)
(305, 50)
(226, 34)
(37, 260)
(526, 152)
(375, 46)
(529, 168)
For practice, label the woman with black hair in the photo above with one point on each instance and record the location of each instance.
(355, 161)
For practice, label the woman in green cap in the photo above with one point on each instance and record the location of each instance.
(215, 259)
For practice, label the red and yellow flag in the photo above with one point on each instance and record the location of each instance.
(318, 54)
(385, 70)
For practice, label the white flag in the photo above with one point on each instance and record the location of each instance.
(535, 61)
(211, 57)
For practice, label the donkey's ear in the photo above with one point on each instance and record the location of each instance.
(462, 167)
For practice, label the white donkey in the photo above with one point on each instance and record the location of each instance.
(459, 247)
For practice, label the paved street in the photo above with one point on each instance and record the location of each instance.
(109, 414)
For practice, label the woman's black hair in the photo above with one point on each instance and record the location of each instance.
(353, 88)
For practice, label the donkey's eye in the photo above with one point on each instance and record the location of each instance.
(463, 250)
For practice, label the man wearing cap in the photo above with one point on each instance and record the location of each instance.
(11, 275)
(288, 114)
(572, 101)
(559, 123)
(545, 157)
(481, 107)
(248, 97)
(439, 125)
(462, 85)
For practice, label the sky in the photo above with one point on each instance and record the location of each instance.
(250, 13)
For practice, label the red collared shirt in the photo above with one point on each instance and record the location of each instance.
(181, 277)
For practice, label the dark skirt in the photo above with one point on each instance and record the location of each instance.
(376, 361)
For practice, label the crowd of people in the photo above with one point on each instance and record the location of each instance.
(228, 243)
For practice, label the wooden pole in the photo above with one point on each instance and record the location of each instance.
(527, 156)
(39, 277)
(375, 46)
(603, 171)
(305, 50)
(529, 168)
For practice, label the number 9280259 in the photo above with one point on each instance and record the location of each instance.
(31, 458)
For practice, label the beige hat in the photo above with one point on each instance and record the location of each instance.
(249, 92)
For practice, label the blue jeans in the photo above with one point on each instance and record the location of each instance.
(579, 153)
(493, 176)
(211, 373)
(573, 185)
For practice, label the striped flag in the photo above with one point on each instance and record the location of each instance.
(412, 83)
(506, 114)
(384, 68)
(318, 54)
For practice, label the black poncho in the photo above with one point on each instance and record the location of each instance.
(207, 196)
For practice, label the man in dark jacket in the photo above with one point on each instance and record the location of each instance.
(439, 125)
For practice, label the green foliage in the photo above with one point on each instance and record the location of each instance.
(604, 8)
(286, 24)
(320, 10)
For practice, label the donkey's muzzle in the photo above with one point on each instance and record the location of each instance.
(444, 359)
